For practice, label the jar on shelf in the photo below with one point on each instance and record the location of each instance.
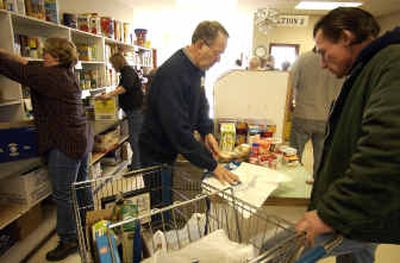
(127, 33)
(140, 36)
(94, 24)
(70, 20)
(83, 22)
(35, 8)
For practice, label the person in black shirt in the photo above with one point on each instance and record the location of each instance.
(177, 105)
(130, 99)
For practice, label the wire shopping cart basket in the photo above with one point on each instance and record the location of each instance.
(147, 188)
(242, 233)
(170, 220)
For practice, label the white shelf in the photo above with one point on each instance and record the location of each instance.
(109, 170)
(11, 24)
(97, 156)
(34, 59)
(113, 41)
(11, 212)
(90, 92)
(28, 23)
(135, 47)
(92, 62)
(84, 33)
(9, 103)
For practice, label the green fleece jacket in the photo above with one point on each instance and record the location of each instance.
(357, 187)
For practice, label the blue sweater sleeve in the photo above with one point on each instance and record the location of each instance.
(206, 125)
(173, 112)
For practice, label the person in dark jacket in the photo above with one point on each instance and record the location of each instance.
(65, 137)
(130, 99)
(177, 105)
(356, 190)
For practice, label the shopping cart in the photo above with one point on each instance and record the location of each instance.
(162, 228)
(148, 188)
(184, 223)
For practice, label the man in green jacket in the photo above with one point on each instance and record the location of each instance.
(357, 188)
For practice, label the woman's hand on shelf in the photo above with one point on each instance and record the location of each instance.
(102, 96)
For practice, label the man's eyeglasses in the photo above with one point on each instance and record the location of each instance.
(213, 50)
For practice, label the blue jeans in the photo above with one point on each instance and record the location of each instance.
(304, 130)
(135, 120)
(63, 172)
(361, 252)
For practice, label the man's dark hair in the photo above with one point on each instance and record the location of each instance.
(359, 22)
(208, 32)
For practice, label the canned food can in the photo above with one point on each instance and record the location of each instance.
(94, 24)
(140, 36)
(127, 32)
(107, 26)
(117, 30)
(83, 22)
(120, 31)
(70, 20)
(34, 8)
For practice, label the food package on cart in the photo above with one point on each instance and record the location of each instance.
(240, 153)
(227, 137)
(129, 210)
(105, 243)
(124, 210)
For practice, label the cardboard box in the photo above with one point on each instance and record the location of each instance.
(105, 243)
(126, 151)
(27, 188)
(106, 109)
(104, 142)
(27, 223)
(18, 141)
(52, 12)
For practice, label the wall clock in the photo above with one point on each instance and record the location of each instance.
(260, 51)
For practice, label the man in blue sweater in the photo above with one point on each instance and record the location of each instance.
(177, 105)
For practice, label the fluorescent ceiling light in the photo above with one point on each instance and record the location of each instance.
(319, 5)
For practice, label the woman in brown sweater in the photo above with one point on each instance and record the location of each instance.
(64, 137)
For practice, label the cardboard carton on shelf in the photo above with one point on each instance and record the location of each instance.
(104, 142)
(106, 109)
(25, 189)
(18, 141)
(27, 223)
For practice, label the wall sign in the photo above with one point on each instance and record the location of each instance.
(292, 21)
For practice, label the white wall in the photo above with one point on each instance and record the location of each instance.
(288, 35)
(170, 25)
(388, 22)
(116, 9)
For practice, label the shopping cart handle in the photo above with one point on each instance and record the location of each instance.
(312, 255)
